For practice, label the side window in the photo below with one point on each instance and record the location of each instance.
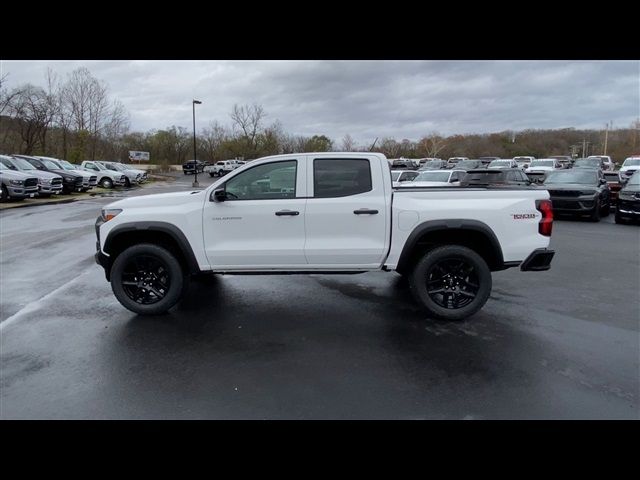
(510, 177)
(335, 177)
(411, 176)
(271, 181)
(91, 166)
(454, 177)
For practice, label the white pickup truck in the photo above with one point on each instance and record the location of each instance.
(324, 213)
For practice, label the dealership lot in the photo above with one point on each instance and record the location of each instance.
(558, 344)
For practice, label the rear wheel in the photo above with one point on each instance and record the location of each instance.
(451, 282)
(4, 195)
(147, 279)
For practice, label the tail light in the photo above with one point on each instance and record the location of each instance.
(546, 222)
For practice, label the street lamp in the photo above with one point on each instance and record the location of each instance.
(195, 160)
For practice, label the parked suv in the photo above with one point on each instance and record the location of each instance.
(589, 162)
(402, 176)
(48, 183)
(193, 166)
(71, 181)
(503, 164)
(433, 165)
(629, 201)
(16, 185)
(106, 178)
(524, 162)
(579, 191)
(469, 164)
(630, 166)
(540, 168)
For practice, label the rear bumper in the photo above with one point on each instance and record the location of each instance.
(539, 260)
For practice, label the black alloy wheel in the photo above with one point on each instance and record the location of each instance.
(146, 279)
(452, 283)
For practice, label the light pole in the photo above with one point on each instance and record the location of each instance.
(195, 162)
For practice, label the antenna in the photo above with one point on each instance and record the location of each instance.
(374, 144)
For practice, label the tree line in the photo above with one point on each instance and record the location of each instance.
(76, 118)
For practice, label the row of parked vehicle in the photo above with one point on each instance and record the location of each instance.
(23, 176)
(583, 189)
(217, 169)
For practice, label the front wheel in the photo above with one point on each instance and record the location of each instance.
(147, 279)
(620, 220)
(595, 215)
(4, 194)
(106, 183)
(451, 282)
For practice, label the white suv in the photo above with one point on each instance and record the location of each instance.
(607, 163)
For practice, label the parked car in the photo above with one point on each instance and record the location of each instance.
(503, 164)
(71, 181)
(615, 182)
(524, 162)
(192, 166)
(48, 183)
(579, 191)
(607, 163)
(630, 166)
(590, 162)
(629, 200)
(89, 179)
(106, 178)
(470, 164)
(434, 165)
(437, 178)
(15, 185)
(133, 176)
(540, 168)
(495, 176)
(402, 176)
(488, 159)
(404, 164)
(446, 250)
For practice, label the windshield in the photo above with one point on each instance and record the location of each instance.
(113, 166)
(588, 162)
(3, 166)
(50, 165)
(395, 176)
(433, 163)
(433, 177)
(66, 165)
(22, 164)
(585, 177)
(500, 163)
(612, 177)
(542, 163)
(631, 162)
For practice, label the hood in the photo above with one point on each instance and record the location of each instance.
(14, 175)
(160, 199)
(631, 189)
(84, 173)
(630, 167)
(40, 174)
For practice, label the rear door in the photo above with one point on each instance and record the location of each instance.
(346, 215)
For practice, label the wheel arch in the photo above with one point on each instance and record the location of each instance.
(474, 234)
(158, 233)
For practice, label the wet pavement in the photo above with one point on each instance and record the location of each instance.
(558, 344)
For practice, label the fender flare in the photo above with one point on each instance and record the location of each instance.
(174, 232)
(432, 226)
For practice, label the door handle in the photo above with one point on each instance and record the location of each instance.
(292, 213)
(365, 211)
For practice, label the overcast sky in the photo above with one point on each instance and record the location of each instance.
(367, 99)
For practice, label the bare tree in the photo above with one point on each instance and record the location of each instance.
(348, 144)
(389, 147)
(35, 110)
(432, 144)
(248, 119)
(211, 139)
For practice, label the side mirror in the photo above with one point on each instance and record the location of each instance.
(219, 195)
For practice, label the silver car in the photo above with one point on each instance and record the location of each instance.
(48, 183)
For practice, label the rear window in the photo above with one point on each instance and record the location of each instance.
(335, 177)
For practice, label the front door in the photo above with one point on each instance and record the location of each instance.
(260, 225)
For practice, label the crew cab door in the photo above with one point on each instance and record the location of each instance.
(346, 216)
(260, 225)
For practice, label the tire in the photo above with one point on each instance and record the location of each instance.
(106, 183)
(449, 266)
(211, 174)
(595, 215)
(4, 194)
(606, 210)
(127, 183)
(620, 220)
(127, 284)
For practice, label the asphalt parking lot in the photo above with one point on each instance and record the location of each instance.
(562, 344)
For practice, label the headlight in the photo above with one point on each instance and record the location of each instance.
(109, 213)
(16, 182)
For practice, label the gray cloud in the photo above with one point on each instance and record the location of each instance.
(367, 99)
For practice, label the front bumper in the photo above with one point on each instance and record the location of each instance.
(20, 191)
(628, 208)
(579, 205)
(538, 261)
(101, 259)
